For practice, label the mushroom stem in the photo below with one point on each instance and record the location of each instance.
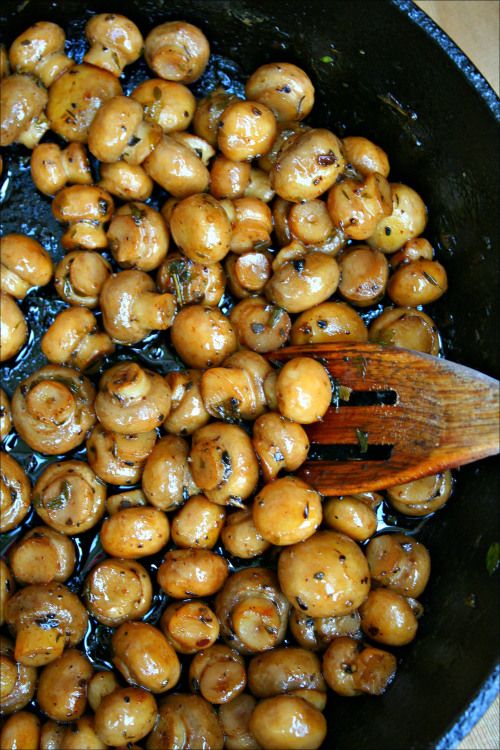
(51, 402)
(155, 311)
(131, 383)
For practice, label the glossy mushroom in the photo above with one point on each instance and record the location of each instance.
(115, 41)
(39, 51)
(138, 237)
(119, 458)
(117, 591)
(143, 656)
(177, 51)
(52, 168)
(22, 115)
(80, 276)
(15, 489)
(84, 209)
(74, 339)
(24, 264)
(42, 555)
(167, 481)
(13, 327)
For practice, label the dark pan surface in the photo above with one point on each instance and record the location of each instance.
(396, 78)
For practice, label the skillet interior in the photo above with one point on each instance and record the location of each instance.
(390, 80)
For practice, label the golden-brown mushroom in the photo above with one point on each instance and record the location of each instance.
(126, 499)
(188, 411)
(292, 671)
(231, 393)
(189, 626)
(218, 673)
(176, 168)
(190, 281)
(251, 224)
(18, 682)
(167, 481)
(53, 409)
(24, 264)
(13, 327)
(169, 104)
(198, 146)
(246, 130)
(74, 339)
(279, 444)
(76, 96)
(62, 687)
(52, 167)
(203, 336)
(132, 308)
(69, 497)
(7, 588)
(325, 576)
(388, 617)
(400, 563)
(126, 181)
(119, 131)
(184, 722)
(198, 523)
(45, 618)
(252, 611)
(115, 42)
(201, 229)
(138, 237)
(5, 415)
(42, 555)
(135, 532)
(287, 722)
(177, 51)
(351, 516)
(260, 325)
(407, 220)
(248, 273)
(39, 51)
(419, 282)
(406, 327)
(308, 167)
(52, 735)
(304, 282)
(131, 399)
(229, 179)
(303, 390)
(80, 276)
(240, 538)
(144, 657)
(208, 113)
(357, 207)
(126, 715)
(22, 116)
(15, 491)
(415, 249)
(365, 156)
(316, 633)
(287, 511)
(101, 684)
(234, 717)
(22, 729)
(84, 209)
(351, 668)
(328, 321)
(119, 458)
(192, 572)
(223, 463)
(117, 591)
(363, 275)
(81, 733)
(285, 88)
(422, 496)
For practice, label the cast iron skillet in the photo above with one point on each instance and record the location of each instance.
(390, 74)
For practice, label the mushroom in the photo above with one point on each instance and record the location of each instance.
(5, 415)
(316, 633)
(189, 626)
(203, 336)
(22, 729)
(234, 717)
(85, 209)
(42, 555)
(365, 156)
(118, 458)
(22, 116)
(126, 499)
(228, 178)
(131, 399)
(7, 588)
(115, 41)
(45, 618)
(13, 327)
(291, 671)
(350, 668)
(18, 682)
(128, 713)
(406, 221)
(117, 591)
(15, 492)
(52, 167)
(169, 104)
(176, 168)
(198, 523)
(260, 325)
(328, 321)
(39, 51)
(356, 207)
(131, 307)
(135, 532)
(80, 276)
(119, 131)
(223, 463)
(188, 411)
(166, 479)
(192, 572)
(287, 722)
(74, 339)
(303, 390)
(240, 537)
(251, 225)
(177, 51)
(101, 683)
(300, 283)
(138, 237)
(252, 611)
(201, 229)
(190, 281)
(81, 733)
(75, 98)
(400, 563)
(62, 686)
(208, 113)
(144, 657)
(218, 673)
(287, 511)
(279, 444)
(53, 409)
(285, 88)
(248, 273)
(247, 130)
(69, 497)
(184, 722)
(24, 264)
(126, 181)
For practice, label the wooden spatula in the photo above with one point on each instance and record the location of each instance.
(396, 415)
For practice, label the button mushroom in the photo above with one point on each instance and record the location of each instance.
(74, 339)
(15, 492)
(42, 555)
(52, 167)
(118, 458)
(22, 116)
(85, 209)
(177, 51)
(24, 264)
(138, 237)
(80, 276)
(40, 51)
(115, 42)
(117, 591)
(167, 481)
(119, 131)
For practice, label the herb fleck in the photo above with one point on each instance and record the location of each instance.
(493, 558)
(362, 437)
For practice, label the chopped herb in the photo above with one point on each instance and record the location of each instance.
(261, 245)
(116, 59)
(133, 141)
(136, 212)
(178, 288)
(59, 501)
(493, 558)
(345, 392)
(326, 59)
(362, 440)
(228, 410)
(275, 316)
(392, 102)
(299, 265)
(431, 279)
(37, 501)
(70, 116)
